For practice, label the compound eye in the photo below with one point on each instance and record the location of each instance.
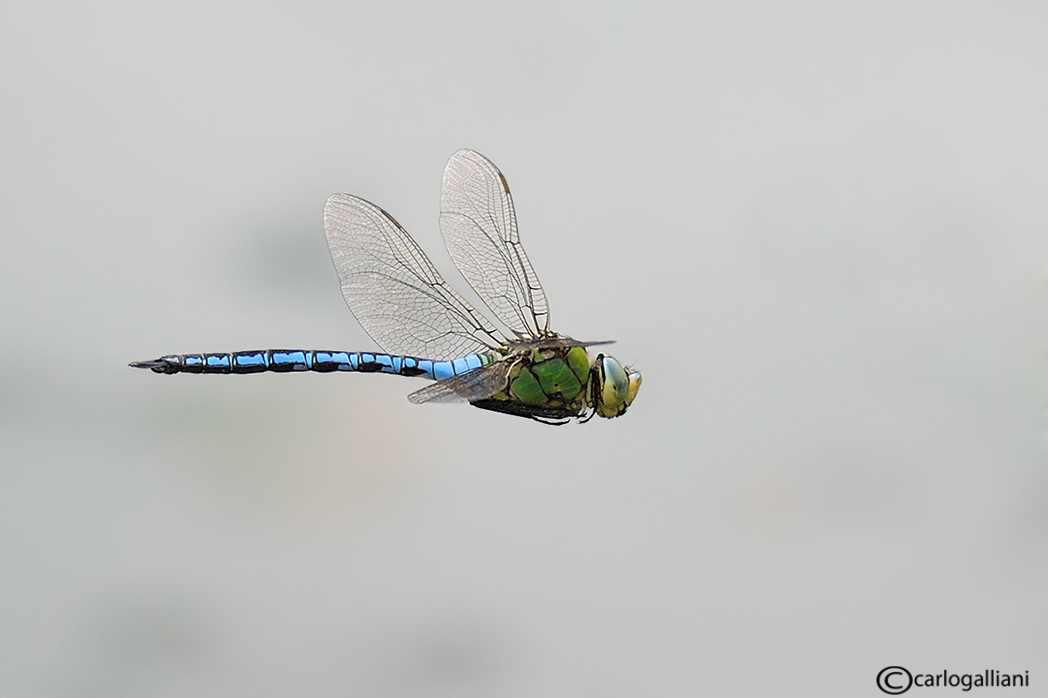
(634, 386)
(615, 384)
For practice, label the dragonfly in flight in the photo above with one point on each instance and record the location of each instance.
(427, 329)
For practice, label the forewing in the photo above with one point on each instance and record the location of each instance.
(477, 384)
(480, 231)
(394, 291)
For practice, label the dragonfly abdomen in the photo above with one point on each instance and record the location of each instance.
(298, 360)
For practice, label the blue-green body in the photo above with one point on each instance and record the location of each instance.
(428, 330)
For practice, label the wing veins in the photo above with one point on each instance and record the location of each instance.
(395, 291)
(480, 231)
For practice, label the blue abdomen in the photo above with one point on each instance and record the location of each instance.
(293, 360)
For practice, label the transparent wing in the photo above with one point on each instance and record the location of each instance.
(477, 384)
(480, 232)
(393, 289)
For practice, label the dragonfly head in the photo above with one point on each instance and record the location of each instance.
(612, 387)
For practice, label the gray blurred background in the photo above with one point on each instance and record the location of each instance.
(819, 230)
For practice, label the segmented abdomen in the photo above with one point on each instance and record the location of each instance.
(293, 360)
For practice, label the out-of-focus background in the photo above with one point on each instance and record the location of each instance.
(820, 230)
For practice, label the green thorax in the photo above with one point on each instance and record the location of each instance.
(551, 377)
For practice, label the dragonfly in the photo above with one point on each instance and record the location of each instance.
(428, 330)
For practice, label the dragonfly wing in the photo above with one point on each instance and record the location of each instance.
(477, 384)
(394, 291)
(480, 231)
